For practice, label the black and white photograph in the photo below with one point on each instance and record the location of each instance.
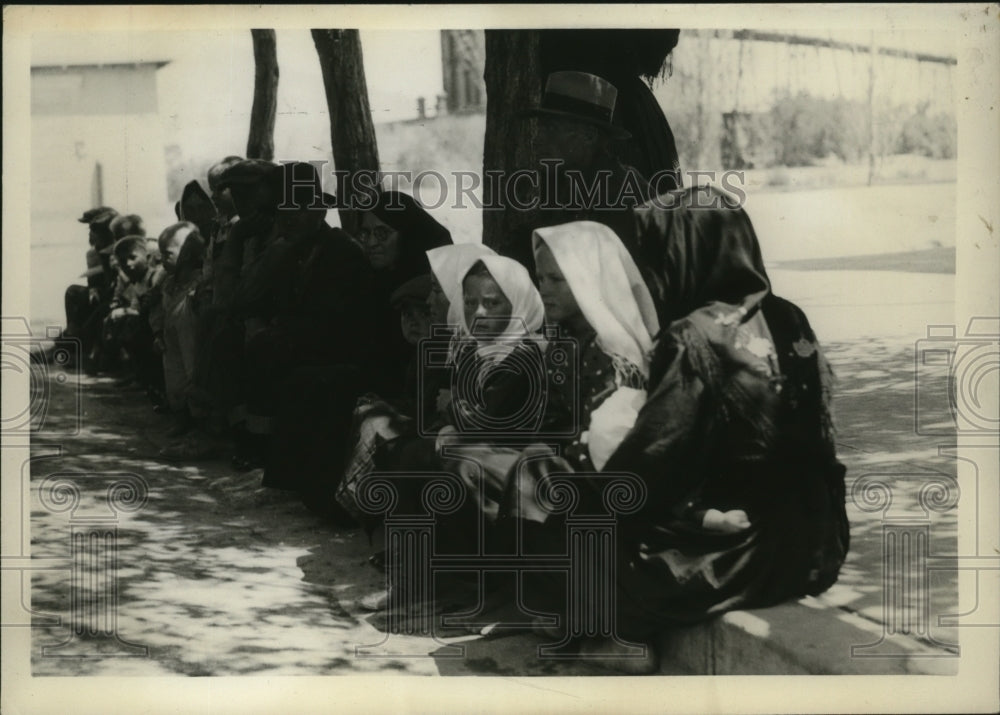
(581, 351)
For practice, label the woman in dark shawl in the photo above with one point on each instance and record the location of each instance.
(744, 504)
(395, 234)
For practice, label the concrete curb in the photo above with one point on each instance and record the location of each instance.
(799, 638)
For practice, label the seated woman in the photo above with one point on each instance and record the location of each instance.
(594, 292)
(395, 235)
(744, 504)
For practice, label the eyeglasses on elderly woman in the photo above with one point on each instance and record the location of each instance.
(379, 234)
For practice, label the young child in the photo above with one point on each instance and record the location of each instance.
(127, 325)
(174, 324)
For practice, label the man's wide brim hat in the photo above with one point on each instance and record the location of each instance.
(297, 185)
(98, 215)
(581, 97)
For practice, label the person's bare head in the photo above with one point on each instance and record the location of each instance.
(181, 246)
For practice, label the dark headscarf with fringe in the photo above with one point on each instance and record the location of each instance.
(419, 232)
(701, 259)
(696, 246)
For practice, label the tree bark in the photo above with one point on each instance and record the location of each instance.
(513, 84)
(352, 134)
(260, 144)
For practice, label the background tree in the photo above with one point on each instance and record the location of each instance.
(352, 134)
(260, 144)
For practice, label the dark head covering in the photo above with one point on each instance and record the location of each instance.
(695, 247)
(127, 225)
(418, 233)
(98, 215)
(414, 290)
(581, 97)
(216, 171)
(297, 185)
(124, 246)
(196, 206)
(247, 171)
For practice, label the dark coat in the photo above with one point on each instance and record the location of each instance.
(720, 431)
(324, 299)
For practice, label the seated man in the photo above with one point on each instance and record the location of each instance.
(87, 306)
(239, 293)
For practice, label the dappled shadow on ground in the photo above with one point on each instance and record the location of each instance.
(217, 576)
(883, 440)
(214, 575)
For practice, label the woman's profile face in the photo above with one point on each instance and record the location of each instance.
(559, 301)
(487, 309)
(380, 242)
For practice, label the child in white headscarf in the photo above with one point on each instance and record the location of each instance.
(498, 366)
(449, 264)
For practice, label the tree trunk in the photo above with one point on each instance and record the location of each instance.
(352, 134)
(513, 84)
(260, 145)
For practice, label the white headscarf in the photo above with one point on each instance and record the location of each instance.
(450, 264)
(608, 287)
(527, 312)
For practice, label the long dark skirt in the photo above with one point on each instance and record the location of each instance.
(311, 432)
(675, 572)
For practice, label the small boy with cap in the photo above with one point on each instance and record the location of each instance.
(410, 299)
(129, 225)
(127, 325)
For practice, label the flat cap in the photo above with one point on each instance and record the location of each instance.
(415, 290)
(247, 171)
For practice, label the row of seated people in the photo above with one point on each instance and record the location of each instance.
(659, 357)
